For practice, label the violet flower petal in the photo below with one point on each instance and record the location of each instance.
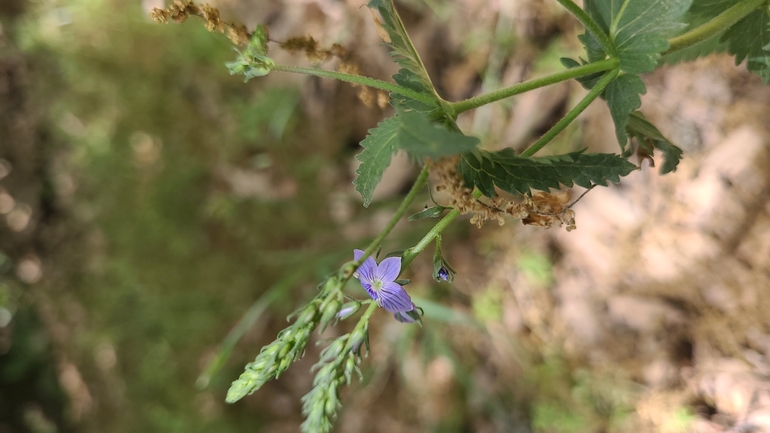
(388, 269)
(372, 293)
(394, 298)
(367, 271)
(443, 273)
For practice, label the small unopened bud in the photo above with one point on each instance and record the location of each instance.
(350, 367)
(308, 315)
(348, 310)
(285, 363)
(284, 351)
(358, 337)
(333, 350)
(331, 310)
(443, 273)
(270, 350)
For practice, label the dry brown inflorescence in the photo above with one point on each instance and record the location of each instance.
(541, 209)
(348, 65)
(238, 35)
(181, 10)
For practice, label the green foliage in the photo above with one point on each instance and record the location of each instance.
(637, 29)
(420, 137)
(749, 39)
(411, 131)
(588, 81)
(379, 147)
(714, 44)
(413, 75)
(253, 62)
(518, 175)
(650, 139)
(622, 96)
(710, 8)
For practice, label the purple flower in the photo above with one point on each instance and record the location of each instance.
(379, 283)
(443, 273)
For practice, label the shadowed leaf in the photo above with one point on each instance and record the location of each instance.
(622, 96)
(518, 175)
(649, 136)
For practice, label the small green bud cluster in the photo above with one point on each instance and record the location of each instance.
(277, 356)
(338, 363)
(289, 346)
(253, 61)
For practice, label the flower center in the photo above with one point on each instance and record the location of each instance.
(377, 285)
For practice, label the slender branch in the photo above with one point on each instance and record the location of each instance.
(580, 71)
(413, 252)
(572, 114)
(397, 216)
(717, 24)
(358, 79)
(591, 25)
(367, 314)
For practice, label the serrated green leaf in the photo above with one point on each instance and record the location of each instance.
(639, 29)
(420, 137)
(407, 79)
(379, 147)
(711, 45)
(413, 75)
(519, 175)
(703, 48)
(749, 39)
(411, 131)
(622, 96)
(431, 212)
(644, 131)
(710, 8)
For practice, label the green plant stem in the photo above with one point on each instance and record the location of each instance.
(580, 71)
(717, 24)
(572, 114)
(413, 252)
(397, 216)
(367, 314)
(358, 79)
(591, 25)
(362, 324)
